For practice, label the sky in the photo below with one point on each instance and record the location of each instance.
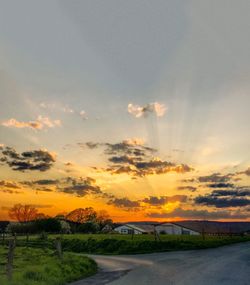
(140, 108)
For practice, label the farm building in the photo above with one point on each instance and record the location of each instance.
(166, 228)
(175, 229)
(186, 228)
(136, 229)
(217, 228)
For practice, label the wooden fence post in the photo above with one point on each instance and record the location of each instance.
(58, 245)
(3, 237)
(10, 259)
(156, 235)
(132, 234)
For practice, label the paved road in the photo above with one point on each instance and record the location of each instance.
(229, 265)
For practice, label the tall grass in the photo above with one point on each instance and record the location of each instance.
(41, 267)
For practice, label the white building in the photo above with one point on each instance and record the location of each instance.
(136, 229)
(164, 228)
(174, 229)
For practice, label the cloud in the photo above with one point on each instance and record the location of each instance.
(215, 177)
(143, 168)
(162, 200)
(53, 106)
(47, 122)
(41, 182)
(188, 188)
(220, 185)
(80, 187)
(246, 172)
(128, 147)
(40, 160)
(10, 191)
(124, 203)
(90, 145)
(189, 180)
(238, 197)
(151, 108)
(198, 214)
(132, 157)
(39, 124)
(134, 141)
(9, 184)
(222, 202)
(83, 115)
(239, 192)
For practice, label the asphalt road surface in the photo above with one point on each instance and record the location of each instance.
(228, 265)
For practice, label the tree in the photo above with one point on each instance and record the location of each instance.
(49, 225)
(88, 228)
(23, 213)
(103, 219)
(81, 215)
(65, 227)
(21, 228)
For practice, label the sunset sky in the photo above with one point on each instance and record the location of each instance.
(140, 108)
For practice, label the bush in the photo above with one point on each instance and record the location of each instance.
(49, 225)
(122, 246)
(88, 228)
(21, 228)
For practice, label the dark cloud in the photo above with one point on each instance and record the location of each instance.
(40, 160)
(230, 196)
(222, 202)
(44, 189)
(129, 147)
(10, 191)
(189, 180)
(221, 185)
(41, 182)
(79, 187)
(9, 184)
(238, 192)
(143, 168)
(124, 203)
(246, 172)
(188, 188)
(215, 178)
(199, 214)
(91, 145)
(122, 159)
(132, 157)
(162, 200)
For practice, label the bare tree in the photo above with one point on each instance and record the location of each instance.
(23, 213)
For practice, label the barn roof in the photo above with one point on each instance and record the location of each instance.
(144, 228)
(213, 227)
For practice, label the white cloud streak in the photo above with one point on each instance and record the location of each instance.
(151, 108)
(39, 124)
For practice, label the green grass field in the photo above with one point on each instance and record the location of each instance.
(34, 266)
(146, 237)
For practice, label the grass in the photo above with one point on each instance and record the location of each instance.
(123, 244)
(34, 266)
